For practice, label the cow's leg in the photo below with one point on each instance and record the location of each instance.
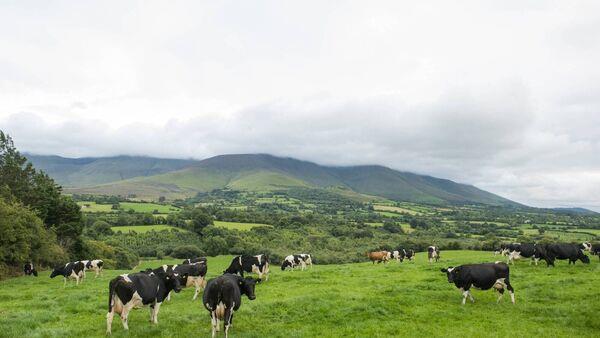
(151, 307)
(228, 317)
(536, 261)
(64, 282)
(510, 290)
(76, 279)
(124, 315)
(471, 296)
(109, 319)
(465, 295)
(155, 312)
(169, 297)
(213, 321)
(500, 294)
(197, 283)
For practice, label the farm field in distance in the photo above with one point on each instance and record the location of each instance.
(90, 206)
(358, 299)
(239, 225)
(145, 228)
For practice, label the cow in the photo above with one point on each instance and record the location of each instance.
(507, 248)
(136, 290)
(397, 255)
(258, 264)
(481, 276)
(29, 270)
(586, 246)
(96, 265)
(527, 250)
(433, 252)
(195, 260)
(73, 270)
(378, 256)
(294, 260)
(409, 254)
(572, 252)
(595, 249)
(223, 296)
(188, 274)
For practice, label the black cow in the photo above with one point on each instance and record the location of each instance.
(139, 289)
(223, 296)
(433, 252)
(70, 270)
(258, 264)
(293, 261)
(188, 274)
(195, 260)
(527, 250)
(572, 252)
(29, 270)
(482, 276)
(506, 248)
(596, 249)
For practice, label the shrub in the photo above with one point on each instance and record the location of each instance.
(187, 251)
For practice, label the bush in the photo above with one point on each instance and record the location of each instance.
(187, 251)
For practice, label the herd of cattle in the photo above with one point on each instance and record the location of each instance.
(222, 295)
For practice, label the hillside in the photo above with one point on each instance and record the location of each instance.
(90, 171)
(151, 178)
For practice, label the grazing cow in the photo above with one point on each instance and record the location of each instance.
(397, 255)
(481, 276)
(433, 252)
(586, 246)
(223, 296)
(572, 252)
(527, 250)
(136, 290)
(258, 264)
(378, 256)
(96, 265)
(70, 270)
(29, 270)
(188, 274)
(294, 260)
(195, 260)
(595, 249)
(507, 248)
(409, 254)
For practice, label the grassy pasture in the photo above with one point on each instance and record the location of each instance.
(389, 208)
(239, 226)
(353, 300)
(148, 207)
(145, 228)
(88, 206)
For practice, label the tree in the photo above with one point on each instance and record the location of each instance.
(199, 220)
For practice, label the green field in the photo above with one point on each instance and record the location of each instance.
(89, 206)
(350, 300)
(394, 209)
(239, 226)
(145, 228)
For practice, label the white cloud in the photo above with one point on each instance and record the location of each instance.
(501, 95)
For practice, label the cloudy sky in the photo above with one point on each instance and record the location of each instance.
(504, 95)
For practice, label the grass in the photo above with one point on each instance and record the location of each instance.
(88, 206)
(356, 300)
(145, 228)
(394, 209)
(148, 207)
(239, 226)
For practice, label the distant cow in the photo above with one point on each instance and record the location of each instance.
(128, 291)
(507, 248)
(96, 265)
(409, 254)
(293, 261)
(194, 260)
(596, 249)
(433, 252)
(70, 270)
(527, 250)
(223, 296)
(29, 270)
(258, 264)
(572, 252)
(188, 274)
(482, 276)
(586, 246)
(378, 256)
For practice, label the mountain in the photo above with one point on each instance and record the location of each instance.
(91, 171)
(150, 178)
(575, 211)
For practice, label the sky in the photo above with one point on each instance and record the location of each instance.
(504, 95)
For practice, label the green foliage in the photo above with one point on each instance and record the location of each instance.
(187, 251)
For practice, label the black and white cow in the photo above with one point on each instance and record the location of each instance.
(95, 264)
(293, 261)
(258, 264)
(433, 252)
(223, 296)
(586, 246)
(188, 274)
(506, 248)
(195, 260)
(572, 252)
(527, 250)
(73, 270)
(482, 276)
(409, 254)
(596, 249)
(29, 270)
(129, 291)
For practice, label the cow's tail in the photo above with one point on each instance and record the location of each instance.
(111, 292)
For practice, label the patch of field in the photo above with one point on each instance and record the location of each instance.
(375, 224)
(239, 226)
(388, 213)
(89, 206)
(148, 207)
(570, 236)
(349, 300)
(145, 228)
(379, 207)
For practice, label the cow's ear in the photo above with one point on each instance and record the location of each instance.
(444, 270)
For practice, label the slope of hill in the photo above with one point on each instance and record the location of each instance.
(150, 178)
(90, 171)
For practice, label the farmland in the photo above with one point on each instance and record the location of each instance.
(91, 206)
(358, 299)
(145, 228)
(238, 225)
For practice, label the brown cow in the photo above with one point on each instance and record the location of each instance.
(378, 256)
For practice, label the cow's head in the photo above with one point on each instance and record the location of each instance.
(57, 271)
(453, 273)
(584, 258)
(247, 286)
(285, 264)
(172, 281)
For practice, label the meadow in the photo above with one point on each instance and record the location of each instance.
(145, 228)
(90, 206)
(238, 225)
(348, 300)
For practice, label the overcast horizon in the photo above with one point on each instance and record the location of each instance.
(501, 95)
